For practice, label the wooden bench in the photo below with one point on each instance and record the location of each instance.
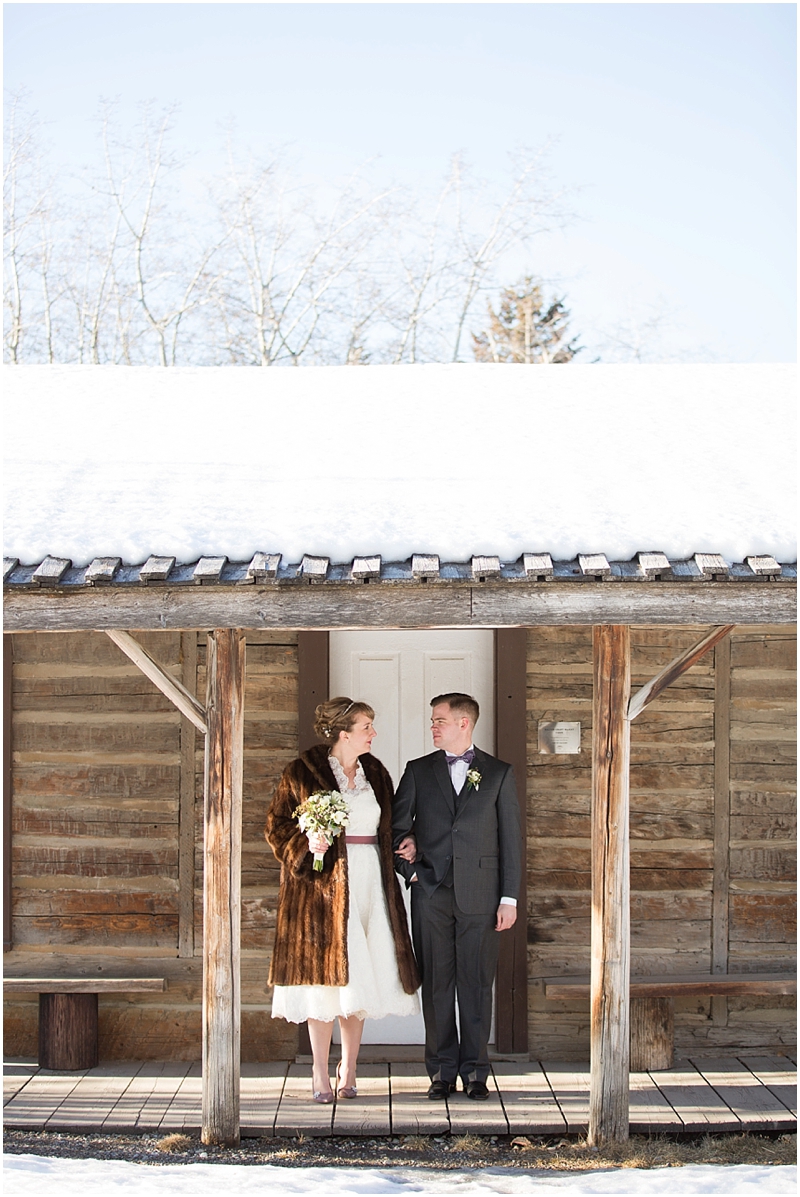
(652, 1012)
(68, 1036)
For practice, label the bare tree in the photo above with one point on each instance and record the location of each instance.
(24, 203)
(488, 230)
(167, 284)
(651, 332)
(291, 268)
(275, 271)
(453, 249)
(427, 259)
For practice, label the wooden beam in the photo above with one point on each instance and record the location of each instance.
(222, 856)
(186, 703)
(522, 603)
(511, 989)
(313, 674)
(670, 673)
(610, 975)
(722, 822)
(8, 728)
(186, 815)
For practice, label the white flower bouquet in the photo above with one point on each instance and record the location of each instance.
(325, 813)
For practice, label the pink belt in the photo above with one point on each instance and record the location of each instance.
(361, 839)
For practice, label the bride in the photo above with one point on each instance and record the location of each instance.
(342, 947)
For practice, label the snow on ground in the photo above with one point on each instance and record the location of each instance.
(452, 459)
(39, 1176)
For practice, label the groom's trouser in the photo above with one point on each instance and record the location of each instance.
(457, 955)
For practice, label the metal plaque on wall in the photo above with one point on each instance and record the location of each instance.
(560, 738)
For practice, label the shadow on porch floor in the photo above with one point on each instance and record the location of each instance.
(748, 1093)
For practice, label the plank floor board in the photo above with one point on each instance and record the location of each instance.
(298, 1113)
(726, 1093)
(16, 1075)
(166, 1083)
(185, 1111)
(779, 1075)
(126, 1110)
(742, 1091)
(528, 1100)
(412, 1113)
(694, 1101)
(260, 1095)
(570, 1084)
(468, 1117)
(650, 1112)
(369, 1113)
(40, 1099)
(94, 1097)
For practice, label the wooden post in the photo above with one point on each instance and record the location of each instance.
(186, 814)
(652, 1033)
(222, 847)
(511, 988)
(722, 822)
(68, 1031)
(608, 1101)
(8, 727)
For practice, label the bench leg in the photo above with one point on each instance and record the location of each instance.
(67, 1031)
(652, 1033)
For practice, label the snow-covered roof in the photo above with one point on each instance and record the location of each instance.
(452, 460)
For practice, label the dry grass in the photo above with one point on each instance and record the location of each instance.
(658, 1152)
(416, 1142)
(174, 1143)
(469, 1144)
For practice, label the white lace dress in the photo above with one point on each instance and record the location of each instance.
(374, 988)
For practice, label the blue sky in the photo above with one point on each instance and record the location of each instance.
(675, 125)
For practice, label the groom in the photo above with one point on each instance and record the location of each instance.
(456, 833)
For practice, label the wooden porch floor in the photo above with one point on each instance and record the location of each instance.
(756, 1093)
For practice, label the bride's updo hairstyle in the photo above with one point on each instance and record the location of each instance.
(338, 715)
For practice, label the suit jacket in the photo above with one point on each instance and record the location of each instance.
(478, 831)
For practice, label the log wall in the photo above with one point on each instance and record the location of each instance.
(677, 808)
(99, 880)
(107, 781)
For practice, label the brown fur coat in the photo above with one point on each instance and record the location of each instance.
(311, 930)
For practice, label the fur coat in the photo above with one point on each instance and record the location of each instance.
(311, 930)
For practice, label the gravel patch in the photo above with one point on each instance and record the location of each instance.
(445, 1152)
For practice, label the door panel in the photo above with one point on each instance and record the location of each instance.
(398, 673)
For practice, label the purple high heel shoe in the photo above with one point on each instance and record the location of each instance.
(348, 1091)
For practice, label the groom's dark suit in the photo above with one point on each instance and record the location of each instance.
(468, 857)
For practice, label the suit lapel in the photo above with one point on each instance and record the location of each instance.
(478, 763)
(442, 774)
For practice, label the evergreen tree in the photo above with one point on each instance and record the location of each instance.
(527, 329)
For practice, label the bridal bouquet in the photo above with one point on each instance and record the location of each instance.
(326, 813)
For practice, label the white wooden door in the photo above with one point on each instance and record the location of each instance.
(398, 673)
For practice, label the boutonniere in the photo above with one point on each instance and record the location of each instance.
(474, 778)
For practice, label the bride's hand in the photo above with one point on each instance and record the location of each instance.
(317, 843)
(407, 849)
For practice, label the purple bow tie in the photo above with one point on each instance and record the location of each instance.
(468, 756)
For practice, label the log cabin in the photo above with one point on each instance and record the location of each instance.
(645, 699)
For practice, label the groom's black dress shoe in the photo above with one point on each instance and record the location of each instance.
(476, 1090)
(439, 1090)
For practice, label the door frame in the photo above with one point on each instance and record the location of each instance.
(511, 989)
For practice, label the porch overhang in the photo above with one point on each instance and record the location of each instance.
(440, 603)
